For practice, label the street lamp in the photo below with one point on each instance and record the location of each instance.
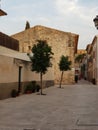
(96, 21)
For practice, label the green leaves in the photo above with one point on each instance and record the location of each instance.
(79, 58)
(42, 54)
(64, 63)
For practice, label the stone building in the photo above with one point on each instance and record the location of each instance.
(92, 53)
(89, 62)
(62, 43)
(15, 71)
(81, 51)
(79, 64)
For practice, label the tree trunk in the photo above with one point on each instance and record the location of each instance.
(41, 82)
(61, 78)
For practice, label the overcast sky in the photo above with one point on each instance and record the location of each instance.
(74, 16)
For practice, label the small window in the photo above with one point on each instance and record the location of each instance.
(29, 47)
(69, 44)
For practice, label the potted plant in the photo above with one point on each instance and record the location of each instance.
(33, 86)
(37, 88)
(33, 89)
(28, 89)
(14, 93)
(93, 81)
(76, 78)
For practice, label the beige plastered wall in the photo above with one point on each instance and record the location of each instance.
(9, 74)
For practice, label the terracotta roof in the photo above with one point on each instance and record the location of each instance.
(2, 13)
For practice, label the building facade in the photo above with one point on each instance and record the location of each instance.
(80, 63)
(62, 43)
(12, 62)
(92, 58)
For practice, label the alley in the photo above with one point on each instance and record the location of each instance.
(83, 82)
(74, 107)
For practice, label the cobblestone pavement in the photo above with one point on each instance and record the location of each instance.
(74, 107)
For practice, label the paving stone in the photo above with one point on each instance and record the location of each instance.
(75, 107)
(88, 121)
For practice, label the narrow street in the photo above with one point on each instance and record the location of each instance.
(74, 107)
(83, 82)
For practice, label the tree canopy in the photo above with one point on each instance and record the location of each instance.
(42, 53)
(79, 58)
(64, 65)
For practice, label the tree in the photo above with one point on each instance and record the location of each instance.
(27, 25)
(42, 53)
(64, 65)
(79, 58)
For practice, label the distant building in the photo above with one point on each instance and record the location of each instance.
(62, 43)
(81, 51)
(80, 65)
(92, 53)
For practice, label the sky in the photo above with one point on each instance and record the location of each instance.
(75, 16)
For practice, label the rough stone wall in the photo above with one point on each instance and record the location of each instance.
(62, 43)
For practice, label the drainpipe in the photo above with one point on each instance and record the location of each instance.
(19, 80)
